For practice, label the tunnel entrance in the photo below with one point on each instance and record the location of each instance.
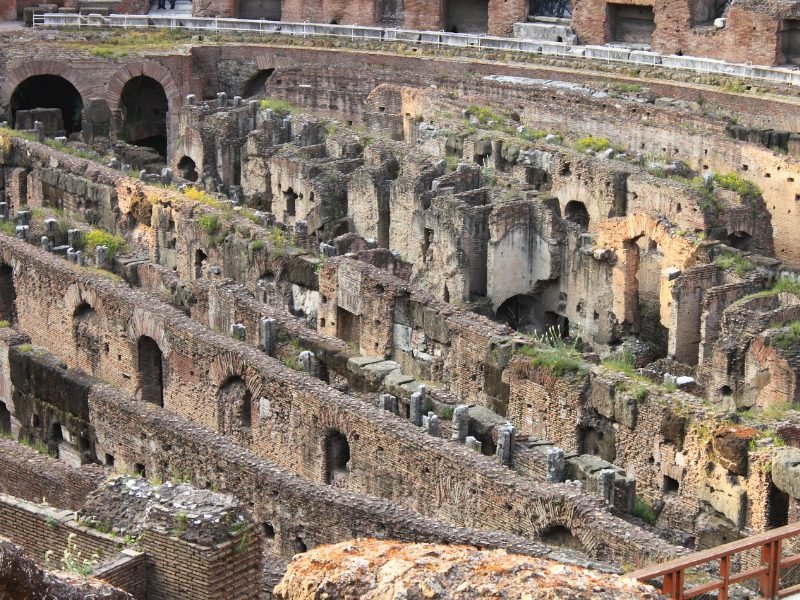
(150, 370)
(256, 85)
(8, 295)
(575, 212)
(741, 240)
(144, 108)
(5, 419)
(48, 91)
(188, 169)
(467, 16)
(790, 42)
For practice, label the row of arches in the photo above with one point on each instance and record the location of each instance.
(143, 107)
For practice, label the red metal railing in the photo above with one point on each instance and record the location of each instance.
(768, 572)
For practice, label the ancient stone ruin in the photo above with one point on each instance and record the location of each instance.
(264, 295)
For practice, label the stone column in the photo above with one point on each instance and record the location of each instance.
(269, 335)
(238, 332)
(460, 423)
(415, 409)
(309, 363)
(505, 444)
(430, 423)
(605, 485)
(555, 465)
(389, 403)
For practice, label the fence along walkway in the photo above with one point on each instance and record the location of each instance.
(768, 572)
(437, 38)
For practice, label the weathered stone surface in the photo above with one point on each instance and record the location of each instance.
(786, 471)
(731, 444)
(377, 570)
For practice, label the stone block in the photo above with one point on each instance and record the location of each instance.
(626, 410)
(731, 444)
(673, 429)
(786, 471)
(401, 337)
(601, 397)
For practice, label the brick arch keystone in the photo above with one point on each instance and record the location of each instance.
(46, 67)
(227, 365)
(79, 293)
(161, 74)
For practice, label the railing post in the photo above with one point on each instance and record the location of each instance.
(771, 558)
(673, 585)
(724, 573)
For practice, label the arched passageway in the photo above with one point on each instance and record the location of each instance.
(49, 91)
(149, 362)
(237, 400)
(337, 457)
(741, 240)
(143, 110)
(188, 169)
(256, 85)
(575, 212)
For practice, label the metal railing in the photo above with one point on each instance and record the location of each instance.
(767, 573)
(435, 38)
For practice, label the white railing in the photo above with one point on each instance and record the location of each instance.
(437, 38)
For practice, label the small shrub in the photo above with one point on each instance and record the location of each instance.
(52, 522)
(590, 142)
(4, 324)
(788, 337)
(484, 115)
(8, 227)
(451, 161)
(747, 190)
(256, 245)
(192, 193)
(641, 393)
(98, 237)
(560, 361)
(209, 223)
(532, 135)
(624, 362)
(740, 264)
(181, 523)
(644, 511)
(281, 108)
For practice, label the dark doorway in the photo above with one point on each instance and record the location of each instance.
(390, 13)
(741, 240)
(337, 455)
(575, 212)
(290, 198)
(790, 42)
(467, 16)
(8, 295)
(188, 169)
(5, 419)
(49, 91)
(256, 85)
(269, 10)
(144, 108)
(348, 326)
(199, 258)
(518, 312)
(237, 400)
(561, 537)
(631, 24)
(150, 370)
(561, 9)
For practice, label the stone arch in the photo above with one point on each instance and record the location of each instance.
(187, 167)
(144, 323)
(17, 75)
(561, 537)
(48, 92)
(620, 235)
(575, 212)
(156, 72)
(255, 86)
(150, 371)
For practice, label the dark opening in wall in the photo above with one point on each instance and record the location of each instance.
(631, 24)
(269, 10)
(467, 16)
(427, 241)
(144, 107)
(109, 460)
(187, 169)
(235, 395)
(778, 506)
(199, 258)
(290, 198)
(139, 469)
(561, 537)
(560, 9)
(348, 326)
(337, 455)
(8, 295)
(671, 486)
(790, 42)
(299, 545)
(575, 212)
(598, 441)
(518, 312)
(390, 13)
(54, 439)
(150, 371)
(5, 418)
(49, 91)
(741, 240)
(540, 179)
(269, 531)
(256, 85)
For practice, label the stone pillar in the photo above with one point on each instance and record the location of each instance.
(22, 232)
(166, 175)
(605, 485)
(269, 335)
(45, 242)
(415, 408)
(505, 444)
(74, 237)
(473, 444)
(222, 100)
(191, 100)
(309, 363)
(80, 259)
(389, 403)
(51, 225)
(555, 465)
(71, 254)
(430, 423)
(23, 217)
(327, 250)
(460, 423)
(4, 210)
(38, 131)
(237, 102)
(101, 259)
(238, 332)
